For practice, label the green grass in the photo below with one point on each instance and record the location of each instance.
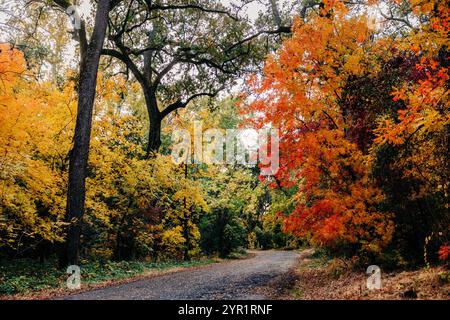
(239, 253)
(297, 293)
(26, 275)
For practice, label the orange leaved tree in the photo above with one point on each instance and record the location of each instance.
(336, 202)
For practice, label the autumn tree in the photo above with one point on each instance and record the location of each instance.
(78, 157)
(361, 107)
(301, 94)
(35, 130)
(171, 48)
(132, 204)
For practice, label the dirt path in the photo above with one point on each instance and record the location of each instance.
(258, 277)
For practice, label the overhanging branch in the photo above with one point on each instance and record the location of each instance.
(127, 61)
(180, 104)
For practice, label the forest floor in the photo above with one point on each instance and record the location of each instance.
(318, 278)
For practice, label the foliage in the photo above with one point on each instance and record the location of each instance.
(364, 126)
(231, 202)
(444, 252)
(130, 201)
(35, 124)
(132, 198)
(336, 202)
(411, 141)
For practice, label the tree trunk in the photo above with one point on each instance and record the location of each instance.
(154, 132)
(187, 237)
(78, 156)
(154, 136)
(186, 231)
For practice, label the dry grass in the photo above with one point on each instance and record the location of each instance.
(337, 280)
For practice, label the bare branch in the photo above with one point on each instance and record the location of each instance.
(280, 30)
(180, 104)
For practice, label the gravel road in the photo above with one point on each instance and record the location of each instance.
(252, 278)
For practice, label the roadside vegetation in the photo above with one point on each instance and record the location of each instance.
(322, 276)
